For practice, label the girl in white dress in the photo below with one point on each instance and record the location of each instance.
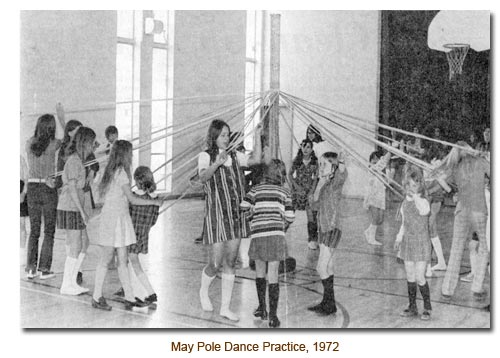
(116, 231)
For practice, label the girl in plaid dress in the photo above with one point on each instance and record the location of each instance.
(326, 198)
(143, 219)
(414, 241)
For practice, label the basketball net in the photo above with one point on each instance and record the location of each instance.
(456, 58)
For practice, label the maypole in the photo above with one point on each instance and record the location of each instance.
(273, 126)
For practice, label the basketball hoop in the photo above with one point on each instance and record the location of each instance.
(456, 58)
(455, 31)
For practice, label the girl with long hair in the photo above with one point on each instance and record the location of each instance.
(116, 230)
(468, 172)
(42, 196)
(224, 185)
(71, 215)
(302, 176)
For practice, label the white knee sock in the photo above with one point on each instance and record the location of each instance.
(100, 276)
(473, 261)
(436, 244)
(226, 293)
(137, 288)
(79, 261)
(243, 250)
(205, 285)
(124, 276)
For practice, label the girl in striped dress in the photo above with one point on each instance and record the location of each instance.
(414, 241)
(224, 185)
(326, 197)
(270, 206)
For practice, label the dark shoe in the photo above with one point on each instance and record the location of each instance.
(120, 292)
(151, 301)
(260, 313)
(44, 275)
(478, 296)
(446, 297)
(129, 306)
(79, 278)
(327, 310)
(426, 315)
(409, 312)
(274, 322)
(101, 304)
(198, 240)
(316, 308)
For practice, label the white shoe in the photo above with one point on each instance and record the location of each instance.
(439, 267)
(227, 313)
(429, 272)
(72, 290)
(374, 242)
(467, 278)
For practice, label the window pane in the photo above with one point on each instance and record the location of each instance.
(125, 23)
(124, 69)
(159, 146)
(156, 162)
(123, 120)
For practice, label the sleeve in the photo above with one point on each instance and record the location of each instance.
(73, 169)
(382, 163)
(422, 205)
(242, 159)
(248, 201)
(340, 178)
(203, 161)
(24, 169)
(485, 166)
(289, 210)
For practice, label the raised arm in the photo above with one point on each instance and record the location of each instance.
(61, 116)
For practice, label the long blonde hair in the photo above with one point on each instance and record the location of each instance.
(119, 158)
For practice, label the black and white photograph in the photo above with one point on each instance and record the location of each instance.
(255, 169)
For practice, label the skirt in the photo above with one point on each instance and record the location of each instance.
(140, 247)
(23, 208)
(414, 249)
(330, 238)
(271, 248)
(69, 220)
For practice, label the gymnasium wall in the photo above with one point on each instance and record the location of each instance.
(209, 60)
(67, 57)
(331, 58)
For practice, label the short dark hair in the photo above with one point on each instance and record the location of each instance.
(110, 130)
(275, 172)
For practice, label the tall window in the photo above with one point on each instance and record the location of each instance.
(253, 76)
(161, 117)
(128, 85)
(128, 56)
